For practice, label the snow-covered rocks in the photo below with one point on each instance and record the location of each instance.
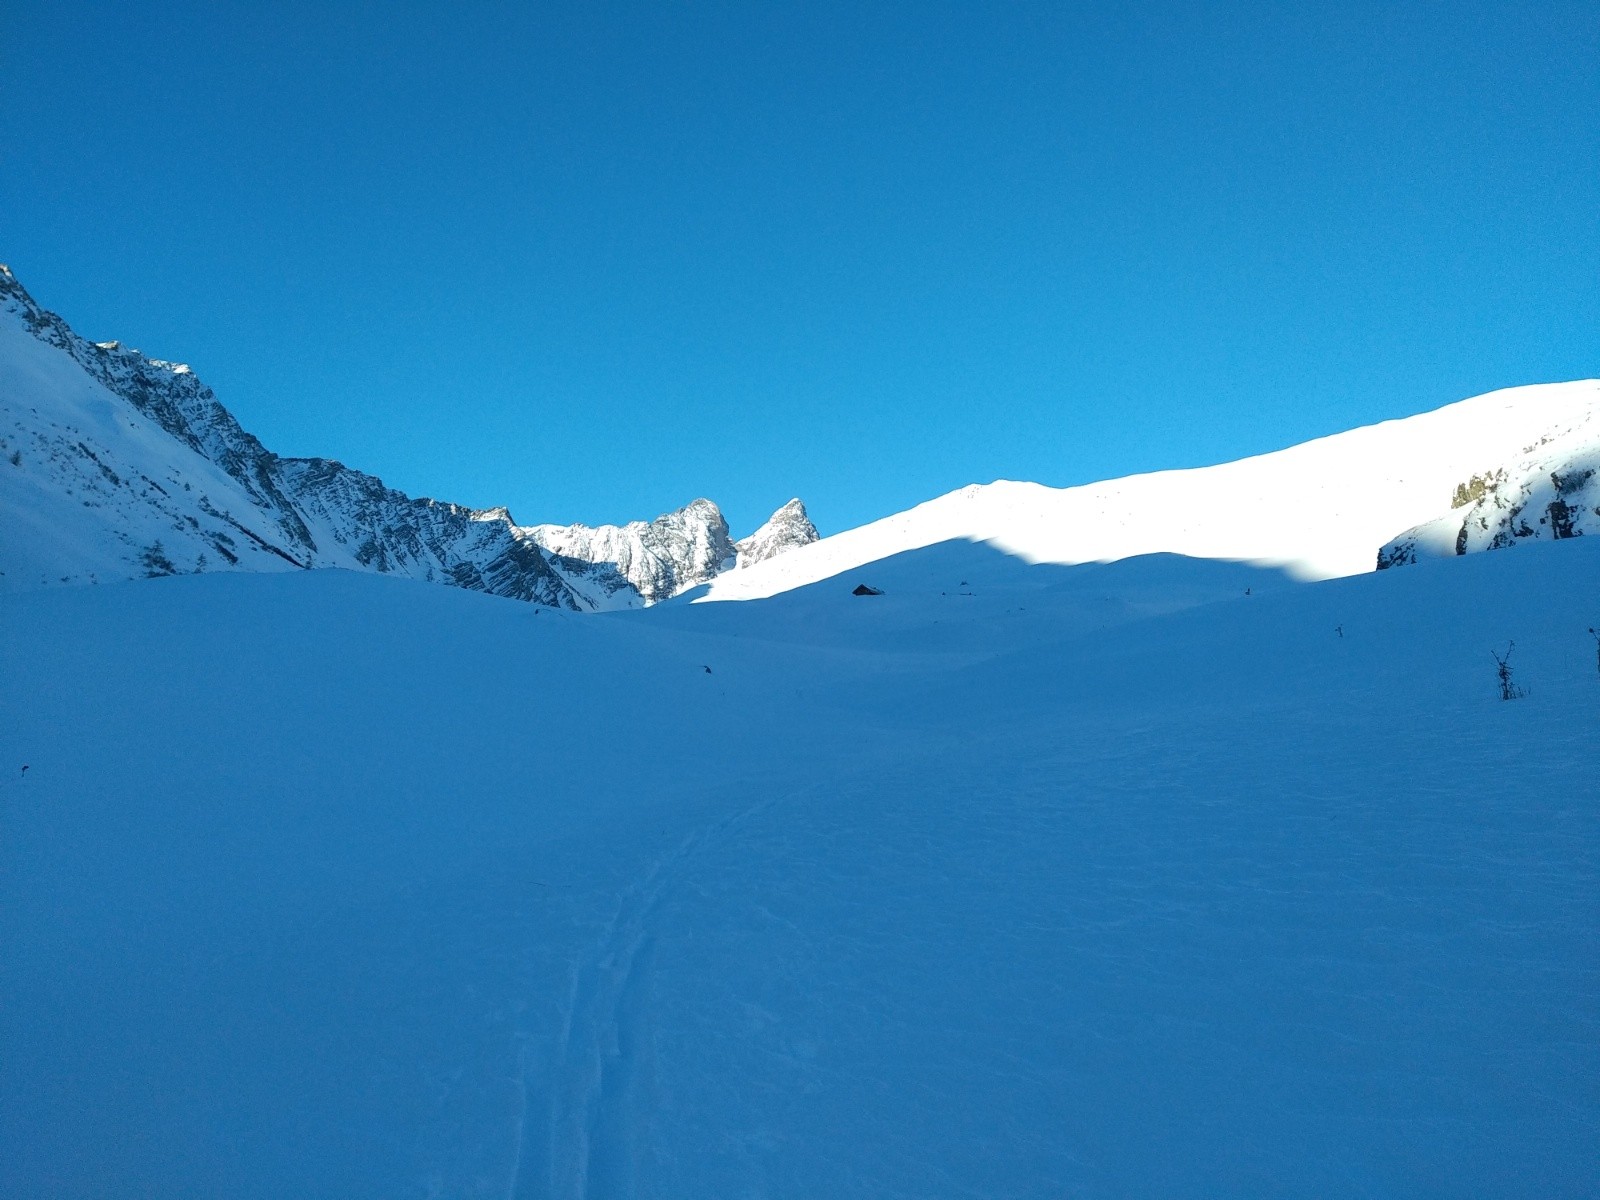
(786, 529)
(658, 558)
(678, 550)
(1547, 490)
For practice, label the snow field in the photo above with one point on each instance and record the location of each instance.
(1101, 881)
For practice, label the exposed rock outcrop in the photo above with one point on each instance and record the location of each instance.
(1550, 490)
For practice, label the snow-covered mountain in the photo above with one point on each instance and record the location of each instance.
(660, 558)
(788, 528)
(117, 465)
(679, 549)
(1319, 510)
(1550, 490)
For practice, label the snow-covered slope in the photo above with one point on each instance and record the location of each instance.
(960, 895)
(117, 465)
(92, 489)
(1551, 489)
(1321, 509)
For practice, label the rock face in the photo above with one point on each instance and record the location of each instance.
(116, 465)
(786, 529)
(1549, 490)
(659, 558)
(678, 550)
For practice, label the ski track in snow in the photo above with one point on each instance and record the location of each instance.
(602, 1059)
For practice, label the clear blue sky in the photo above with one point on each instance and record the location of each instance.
(593, 260)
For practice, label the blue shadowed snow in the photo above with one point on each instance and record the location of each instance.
(326, 884)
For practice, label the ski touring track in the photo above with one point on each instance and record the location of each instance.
(603, 1048)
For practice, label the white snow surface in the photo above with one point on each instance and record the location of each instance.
(1321, 509)
(1106, 880)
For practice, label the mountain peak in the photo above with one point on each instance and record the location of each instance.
(786, 529)
(660, 558)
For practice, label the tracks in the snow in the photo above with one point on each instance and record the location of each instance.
(603, 1051)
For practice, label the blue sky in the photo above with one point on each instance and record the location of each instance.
(594, 260)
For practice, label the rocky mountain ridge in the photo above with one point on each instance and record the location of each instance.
(120, 465)
(677, 550)
(660, 558)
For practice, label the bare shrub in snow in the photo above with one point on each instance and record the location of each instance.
(1502, 665)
